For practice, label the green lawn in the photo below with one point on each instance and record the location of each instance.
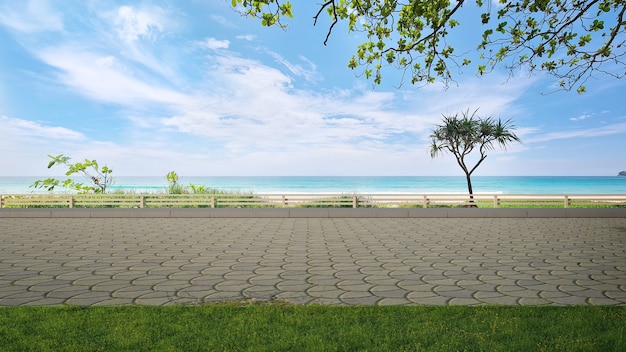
(241, 327)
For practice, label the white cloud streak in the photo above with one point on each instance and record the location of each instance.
(101, 78)
(18, 127)
(31, 16)
(608, 130)
(248, 37)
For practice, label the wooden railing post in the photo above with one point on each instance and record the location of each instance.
(212, 202)
(566, 203)
(1, 198)
(354, 201)
(71, 201)
(142, 202)
(495, 201)
(425, 200)
(284, 201)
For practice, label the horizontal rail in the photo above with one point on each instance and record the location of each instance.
(309, 200)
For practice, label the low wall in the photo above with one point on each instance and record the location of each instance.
(314, 213)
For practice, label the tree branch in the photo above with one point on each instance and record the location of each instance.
(335, 18)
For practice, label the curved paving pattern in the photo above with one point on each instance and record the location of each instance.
(346, 261)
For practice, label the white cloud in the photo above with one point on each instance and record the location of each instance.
(215, 44)
(31, 16)
(619, 128)
(100, 78)
(133, 24)
(309, 73)
(18, 127)
(248, 37)
(257, 107)
(580, 118)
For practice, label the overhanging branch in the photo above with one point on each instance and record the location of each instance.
(335, 18)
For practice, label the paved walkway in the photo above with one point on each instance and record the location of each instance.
(345, 261)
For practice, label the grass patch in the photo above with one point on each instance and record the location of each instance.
(240, 327)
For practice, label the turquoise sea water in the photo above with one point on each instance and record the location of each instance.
(361, 184)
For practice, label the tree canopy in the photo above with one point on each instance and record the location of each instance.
(569, 39)
(463, 135)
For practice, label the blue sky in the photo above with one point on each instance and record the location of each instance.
(147, 87)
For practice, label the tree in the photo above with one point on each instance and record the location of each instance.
(462, 135)
(173, 187)
(100, 178)
(569, 39)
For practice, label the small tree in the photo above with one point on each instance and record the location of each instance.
(100, 178)
(173, 187)
(462, 135)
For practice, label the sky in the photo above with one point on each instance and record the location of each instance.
(147, 87)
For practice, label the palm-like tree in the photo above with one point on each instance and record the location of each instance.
(462, 135)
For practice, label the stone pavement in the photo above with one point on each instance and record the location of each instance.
(343, 261)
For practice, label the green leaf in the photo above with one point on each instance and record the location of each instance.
(485, 17)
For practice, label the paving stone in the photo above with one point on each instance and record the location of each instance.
(380, 280)
(349, 275)
(115, 302)
(323, 280)
(294, 297)
(21, 298)
(293, 286)
(154, 299)
(261, 292)
(232, 286)
(496, 298)
(439, 280)
(533, 301)
(603, 302)
(47, 286)
(415, 285)
(394, 301)
(354, 285)
(359, 298)
(416, 295)
(46, 302)
(569, 301)
(131, 291)
(324, 291)
(429, 301)
(453, 292)
(372, 270)
(464, 301)
(88, 298)
(388, 291)
(196, 292)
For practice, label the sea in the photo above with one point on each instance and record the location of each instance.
(354, 184)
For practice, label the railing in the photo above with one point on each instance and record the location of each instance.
(309, 200)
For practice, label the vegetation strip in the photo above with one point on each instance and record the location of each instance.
(242, 326)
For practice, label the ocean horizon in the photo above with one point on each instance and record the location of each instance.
(353, 184)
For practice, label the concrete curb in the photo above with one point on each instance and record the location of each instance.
(313, 213)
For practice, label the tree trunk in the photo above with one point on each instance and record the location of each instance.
(471, 192)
